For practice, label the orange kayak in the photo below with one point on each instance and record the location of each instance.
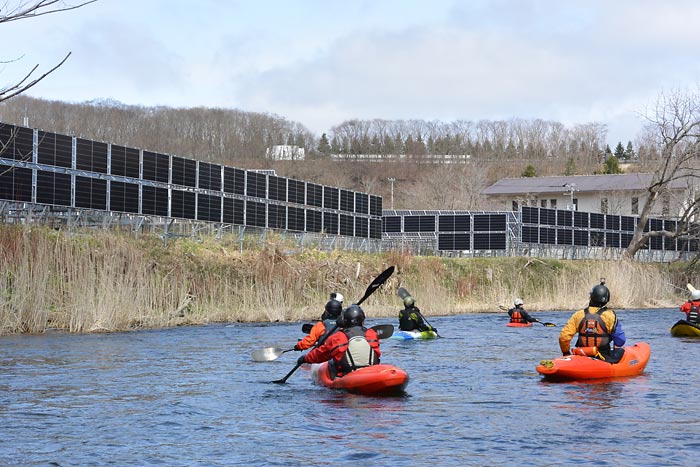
(519, 325)
(578, 367)
(372, 380)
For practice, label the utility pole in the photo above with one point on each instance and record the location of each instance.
(392, 180)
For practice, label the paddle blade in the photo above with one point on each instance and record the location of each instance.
(549, 325)
(384, 331)
(376, 283)
(268, 354)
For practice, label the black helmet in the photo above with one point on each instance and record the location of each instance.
(600, 295)
(351, 316)
(333, 309)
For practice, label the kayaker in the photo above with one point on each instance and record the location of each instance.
(691, 308)
(353, 347)
(331, 312)
(411, 319)
(597, 326)
(518, 314)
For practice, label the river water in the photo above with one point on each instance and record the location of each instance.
(193, 397)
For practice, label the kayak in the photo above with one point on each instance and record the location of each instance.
(579, 367)
(519, 325)
(377, 380)
(685, 329)
(411, 335)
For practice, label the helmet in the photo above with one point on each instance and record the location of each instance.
(695, 295)
(409, 301)
(340, 298)
(600, 295)
(333, 309)
(518, 302)
(351, 316)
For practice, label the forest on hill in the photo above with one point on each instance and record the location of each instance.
(495, 149)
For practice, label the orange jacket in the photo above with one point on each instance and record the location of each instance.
(318, 330)
(685, 308)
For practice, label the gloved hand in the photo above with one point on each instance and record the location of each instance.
(434, 329)
(296, 347)
(566, 354)
(301, 360)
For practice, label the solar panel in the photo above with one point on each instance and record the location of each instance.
(361, 203)
(330, 223)
(54, 149)
(233, 211)
(314, 221)
(125, 161)
(391, 223)
(296, 220)
(208, 207)
(612, 222)
(565, 237)
(296, 192)
(53, 188)
(314, 195)
(375, 205)
(124, 197)
(330, 197)
(277, 188)
(154, 200)
(255, 213)
(347, 201)
(276, 216)
(182, 204)
(184, 172)
(565, 218)
(530, 215)
(15, 183)
(90, 156)
(547, 235)
(375, 228)
(90, 193)
(156, 167)
(362, 227)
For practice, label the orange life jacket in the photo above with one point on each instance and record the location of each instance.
(592, 331)
(516, 316)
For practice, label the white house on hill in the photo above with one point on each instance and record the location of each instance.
(623, 194)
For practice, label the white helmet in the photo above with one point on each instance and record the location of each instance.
(695, 295)
(339, 297)
(518, 302)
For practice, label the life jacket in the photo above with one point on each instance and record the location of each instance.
(359, 353)
(592, 331)
(330, 325)
(406, 321)
(516, 316)
(694, 313)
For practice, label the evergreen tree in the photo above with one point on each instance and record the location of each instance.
(570, 167)
(410, 145)
(612, 166)
(629, 152)
(335, 145)
(529, 171)
(324, 146)
(608, 151)
(619, 152)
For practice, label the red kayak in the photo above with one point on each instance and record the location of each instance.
(372, 380)
(519, 325)
(578, 367)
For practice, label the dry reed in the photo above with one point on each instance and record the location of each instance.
(85, 281)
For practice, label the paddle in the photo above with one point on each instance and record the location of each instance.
(383, 330)
(403, 293)
(545, 324)
(376, 283)
(269, 353)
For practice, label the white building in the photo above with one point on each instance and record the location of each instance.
(285, 152)
(623, 194)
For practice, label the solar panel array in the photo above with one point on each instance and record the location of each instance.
(589, 229)
(454, 230)
(59, 170)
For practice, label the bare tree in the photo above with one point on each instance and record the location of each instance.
(26, 10)
(676, 121)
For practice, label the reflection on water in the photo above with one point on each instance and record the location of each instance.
(192, 396)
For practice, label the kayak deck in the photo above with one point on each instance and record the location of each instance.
(519, 325)
(578, 367)
(378, 379)
(413, 335)
(684, 328)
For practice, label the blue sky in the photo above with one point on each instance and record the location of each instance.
(322, 62)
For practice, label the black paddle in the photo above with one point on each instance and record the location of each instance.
(403, 293)
(376, 283)
(383, 330)
(545, 324)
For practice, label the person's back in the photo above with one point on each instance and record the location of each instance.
(691, 308)
(518, 314)
(410, 318)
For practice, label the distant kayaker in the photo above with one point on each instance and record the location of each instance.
(411, 319)
(691, 308)
(597, 327)
(353, 347)
(331, 312)
(518, 314)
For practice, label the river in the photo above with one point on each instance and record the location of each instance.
(192, 396)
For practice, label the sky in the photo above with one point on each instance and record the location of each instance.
(320, 63)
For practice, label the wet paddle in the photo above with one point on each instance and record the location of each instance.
(383, 330)
(269, 353)
(543, 323)
(376, 283)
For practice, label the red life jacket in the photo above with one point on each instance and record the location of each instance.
(516, 316)
(592, 331)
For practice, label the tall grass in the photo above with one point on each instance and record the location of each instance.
(105, 281)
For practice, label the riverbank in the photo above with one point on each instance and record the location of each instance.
(96, 281)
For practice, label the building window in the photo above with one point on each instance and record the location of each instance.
(515, 206)
(533, 203)
(553, 203)
(575, 206)
(666, 206)
(603, 205)
(543, 203)
(635, 206)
